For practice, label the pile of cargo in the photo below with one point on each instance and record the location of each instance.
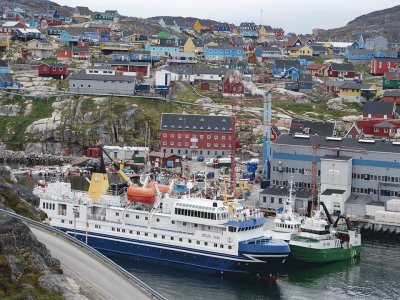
(391, 214)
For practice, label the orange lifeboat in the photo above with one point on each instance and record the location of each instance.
(161, 187)
(140, 194)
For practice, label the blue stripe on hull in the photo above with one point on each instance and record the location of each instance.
(249, 268)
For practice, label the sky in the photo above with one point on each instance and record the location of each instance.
(299, 16)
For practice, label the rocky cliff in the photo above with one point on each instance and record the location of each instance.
(384, 22)
(27, 269)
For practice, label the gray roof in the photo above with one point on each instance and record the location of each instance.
(287, 64)
(105, 67)
(329, 192)
(361, 51)
(333, 82)
(284, 191)
(318, 47)
(83, 10)
(391, 93)
(384, 124)
(82, 76)
(378, 108)
(75, 31)
(305, 78)
(343, 67)
(42, 41)
(120, 63)
(359, 199)
(185, 122)
(314, 127)
(378, 146)
(190, 70)
(356, 85)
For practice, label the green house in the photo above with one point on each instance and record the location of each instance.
(391, 80)
(103, 17)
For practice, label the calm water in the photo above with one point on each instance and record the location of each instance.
(375, 275)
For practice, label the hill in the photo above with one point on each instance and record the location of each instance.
(384, 22)
(32, 7)
(185, 21)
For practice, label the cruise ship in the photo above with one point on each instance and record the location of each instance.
(217, 236)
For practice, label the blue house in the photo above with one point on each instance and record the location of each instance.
(359, 54)
(222, 27)
(303, 83)
(72, 35)
(143, 56)
(91, 35)
(162, 51)
(4, 68)
(248, 29)
(6, 81)
(286, 68)
(119, 56)
(217, 53)
(305, 61)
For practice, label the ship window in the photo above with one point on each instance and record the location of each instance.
(118, 229)
(229, 247)
(137, 217)
(215, 245)
(127, 215)
(112, 228)
(123, 230)
(172, 222)
(117, 214)
(198, 242)
(184, 223)
(62, 220)
(54, 206)
(155, 235)
(195, 225)
(130, 231)
(180, 239)
(146, 234)
(163, 236)
(44, 205)
(189, 241)
(172, 238)
(137, 232)
(158, 220)
(70, 222)
(221, 246)
(146, 218)
(205, 243)
(202, 214)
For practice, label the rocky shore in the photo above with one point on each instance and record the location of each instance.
(27, 269)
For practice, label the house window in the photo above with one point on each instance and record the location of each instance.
(215, 137)
(208, 137)
(164, 135)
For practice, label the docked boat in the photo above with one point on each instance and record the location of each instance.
(286, 223)
(320, 241)
(216, 236)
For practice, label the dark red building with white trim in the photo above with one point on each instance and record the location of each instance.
(56, 71)
(196, 135)
(381, 65)
(342, 71)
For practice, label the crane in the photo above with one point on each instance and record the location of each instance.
(117, 167)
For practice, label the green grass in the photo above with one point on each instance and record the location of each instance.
(12, 129)
(88, 105)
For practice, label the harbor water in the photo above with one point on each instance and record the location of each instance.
(374, 275)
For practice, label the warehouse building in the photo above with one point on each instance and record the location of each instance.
(351, 173)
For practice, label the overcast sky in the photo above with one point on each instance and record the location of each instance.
(299, 16)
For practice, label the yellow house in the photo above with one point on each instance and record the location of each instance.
(197, 26)
(301, 50)
(262, 31)
(189, 46)
(4, 42)
(358, 92)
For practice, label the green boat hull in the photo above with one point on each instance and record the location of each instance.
(313, 255)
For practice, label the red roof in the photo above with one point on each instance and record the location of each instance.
(392, 76)
(292, 41)
(316, 66)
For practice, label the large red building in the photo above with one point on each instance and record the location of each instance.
(196, 135)
(381, 65)
(379, 120)
(56, 71)
(342, 71)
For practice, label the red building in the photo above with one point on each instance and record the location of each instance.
(279, 32)
(232, 85)
(75, 53)
(196, 135)
(342, 71)
(392, 96)
(56, 71)
(164, 160)
(354, 132)
(9, 27)
(381, 65)
(378, 119)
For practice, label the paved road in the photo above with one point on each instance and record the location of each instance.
(107, 281)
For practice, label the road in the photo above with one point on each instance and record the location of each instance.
(111, 284)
